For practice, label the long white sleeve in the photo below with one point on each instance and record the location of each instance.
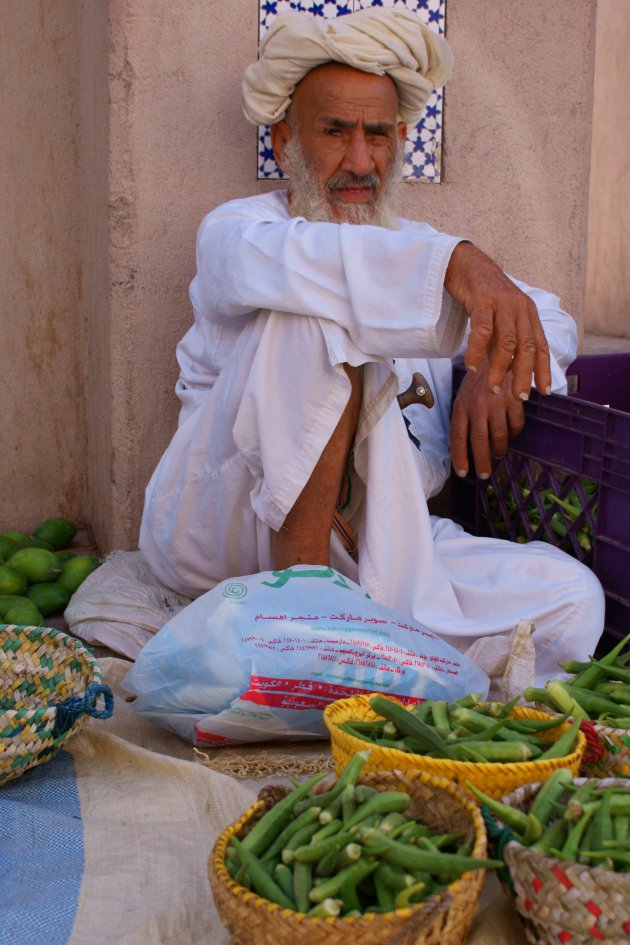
(384, 287)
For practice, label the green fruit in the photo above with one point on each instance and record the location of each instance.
(39, 543)
(10, 600)
(36, 564)
(20, 539)
(24, 616)
(63, 556)
(58, 531)
(76, 570)
(11, 581)
(7, 547)
(48, 597)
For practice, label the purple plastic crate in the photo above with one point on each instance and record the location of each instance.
(575, 447)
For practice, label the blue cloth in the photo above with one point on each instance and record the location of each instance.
(41, 854)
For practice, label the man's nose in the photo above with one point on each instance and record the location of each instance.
(358, 157)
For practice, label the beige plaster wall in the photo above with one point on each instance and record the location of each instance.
(608, 265)
(42, 429)
(156, 93)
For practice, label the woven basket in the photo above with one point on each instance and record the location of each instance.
(442, 919)
(614, 753)
(560, 901)
(49, 686)
(495, 778)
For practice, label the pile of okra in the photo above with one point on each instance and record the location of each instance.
(463, 730)
(597, 690)
(347, 851)
(588, 822)
(537, 505)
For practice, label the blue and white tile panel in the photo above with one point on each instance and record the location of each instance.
(424, 142)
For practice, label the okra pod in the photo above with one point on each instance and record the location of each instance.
(351, 875)
(593, 674)
(276, 818)
(411, 894)
(410, 724)
(349, 775)
(284, 878)
(381, 803)
(517, 820)
(327, 909)
(499, 751)
(301, 886)
(306, 819)
(564, 744)
(262, 880)
(550, 791)
(411, 857)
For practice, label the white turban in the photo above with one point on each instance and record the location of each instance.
(389, 42)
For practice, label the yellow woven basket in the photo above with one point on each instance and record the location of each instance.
(495, 778)
(442, 919)
(50, 684)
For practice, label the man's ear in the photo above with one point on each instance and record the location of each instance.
(401, 131)
(280, 135)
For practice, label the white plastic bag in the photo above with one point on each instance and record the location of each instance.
(258, 658)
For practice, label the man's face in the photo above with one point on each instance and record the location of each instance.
(344, 137)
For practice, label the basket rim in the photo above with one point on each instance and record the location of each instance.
(405, 761)
(217, 871)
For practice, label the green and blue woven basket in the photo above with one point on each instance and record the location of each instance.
(50, 685)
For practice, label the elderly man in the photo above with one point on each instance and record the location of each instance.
(313, 309)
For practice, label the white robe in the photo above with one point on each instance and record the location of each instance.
(280, 305)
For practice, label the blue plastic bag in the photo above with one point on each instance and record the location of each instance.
(259, 657)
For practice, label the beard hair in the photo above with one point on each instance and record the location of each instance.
(307, 200)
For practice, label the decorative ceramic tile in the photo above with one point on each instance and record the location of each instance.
(423, 147)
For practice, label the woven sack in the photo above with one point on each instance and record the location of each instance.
(50, 684)
(442, 919)
(495, 778)
(560, 901)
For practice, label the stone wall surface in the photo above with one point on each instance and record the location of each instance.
(128, 129)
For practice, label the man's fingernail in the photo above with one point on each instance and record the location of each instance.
(484, 475)
(472, 368)
(461, 473)
(496, 389)
(548, 389)
(524, 395)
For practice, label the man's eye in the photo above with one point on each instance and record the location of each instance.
(333, 132)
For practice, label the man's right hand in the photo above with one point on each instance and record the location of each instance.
(485, 420)
(504, 323)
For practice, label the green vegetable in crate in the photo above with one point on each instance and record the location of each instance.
(464, 730)
(538, 508)
(371, 857)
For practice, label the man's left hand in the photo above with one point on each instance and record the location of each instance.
(504, 323)
(485, 419)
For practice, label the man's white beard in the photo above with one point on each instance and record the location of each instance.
(306, 199)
